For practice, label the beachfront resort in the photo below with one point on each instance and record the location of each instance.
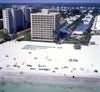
(69, 48)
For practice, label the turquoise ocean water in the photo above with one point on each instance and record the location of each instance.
(46, 87)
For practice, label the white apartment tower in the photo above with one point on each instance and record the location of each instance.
(8, 20)
(44, 25)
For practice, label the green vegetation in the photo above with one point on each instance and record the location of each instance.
(4, 35)
(85, 39)
(24, 36)
(71, 40)
(27, 36)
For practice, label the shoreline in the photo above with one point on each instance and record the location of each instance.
(44, 78)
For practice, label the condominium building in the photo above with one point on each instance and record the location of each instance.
(44, 25)
(8, 20)
(26, 14)
(16, 19)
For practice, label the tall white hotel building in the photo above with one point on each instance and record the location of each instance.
(44, 25)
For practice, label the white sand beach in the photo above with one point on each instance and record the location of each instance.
(49, 59)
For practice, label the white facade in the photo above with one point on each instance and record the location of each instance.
(6, 20)
(9, 21)
(43, 26)
(95, 40)
(96, 24)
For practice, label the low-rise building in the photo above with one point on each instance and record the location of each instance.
(96, 25)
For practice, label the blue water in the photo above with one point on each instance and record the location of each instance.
(47, 87)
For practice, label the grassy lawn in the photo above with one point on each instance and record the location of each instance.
(3, 35)
(25, 36)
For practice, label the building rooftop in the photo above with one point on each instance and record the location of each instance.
(45, 12)
(95, 39)
(40, 13)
